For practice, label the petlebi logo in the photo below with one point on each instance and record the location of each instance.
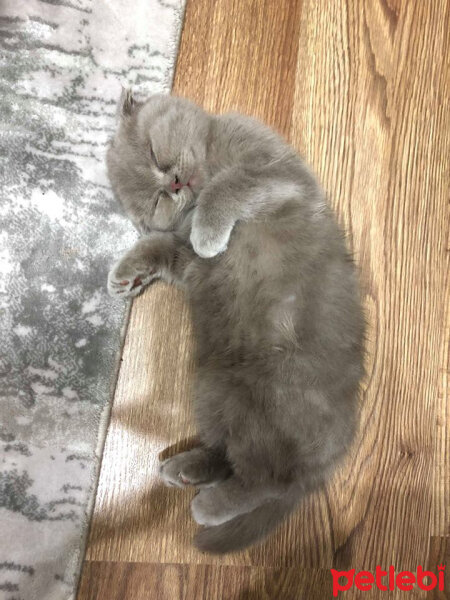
(388, 580)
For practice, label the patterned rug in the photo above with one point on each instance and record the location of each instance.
(62, 63)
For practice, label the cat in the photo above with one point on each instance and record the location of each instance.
(228, 210)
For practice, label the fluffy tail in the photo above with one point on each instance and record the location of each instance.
(246, 529)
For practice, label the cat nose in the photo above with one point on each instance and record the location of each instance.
(176, 185)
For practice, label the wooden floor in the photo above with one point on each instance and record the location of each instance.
(361, 88)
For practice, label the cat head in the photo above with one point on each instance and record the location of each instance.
(157, 159)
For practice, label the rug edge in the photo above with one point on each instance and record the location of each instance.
(174, 45)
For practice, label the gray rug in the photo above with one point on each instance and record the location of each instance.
(62, 63)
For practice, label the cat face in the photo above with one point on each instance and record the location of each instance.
(157, 160)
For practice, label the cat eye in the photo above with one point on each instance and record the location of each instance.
(153, 155)
(161, 168)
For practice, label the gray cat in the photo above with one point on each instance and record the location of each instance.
(228, 210)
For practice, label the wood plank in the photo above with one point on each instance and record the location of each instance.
(372, 125)
(440, 555)
(256, 52)
(361, 88)
(135, 581)
(241, 55)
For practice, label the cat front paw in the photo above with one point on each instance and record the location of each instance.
(207, 241)
(127, 281)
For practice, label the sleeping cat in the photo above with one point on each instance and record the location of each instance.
(228, 210)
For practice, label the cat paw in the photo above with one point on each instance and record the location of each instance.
(127, 282)
(193, 467)
(208, 242)
(172, 474)
(206, 510)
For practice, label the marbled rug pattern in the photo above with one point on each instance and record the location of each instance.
(61, 66)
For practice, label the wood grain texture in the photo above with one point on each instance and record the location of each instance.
(440, 555)
(361, 88)
(136, 581)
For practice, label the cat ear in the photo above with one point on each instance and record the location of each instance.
(127, 103)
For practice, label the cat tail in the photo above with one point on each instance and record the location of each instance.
(246, 529)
